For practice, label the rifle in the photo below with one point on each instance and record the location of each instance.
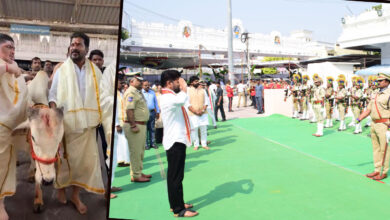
(347, 103)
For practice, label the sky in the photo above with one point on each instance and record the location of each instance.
(323, 17)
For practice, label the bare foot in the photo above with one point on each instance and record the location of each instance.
(79, 205)
(3, 212)
(113, 196)
(195, 148)
(61, 196)
(206, 148)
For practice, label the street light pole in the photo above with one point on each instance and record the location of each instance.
(247, 58)
(245, 39)
(230, 43)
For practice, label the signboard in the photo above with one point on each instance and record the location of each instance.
(30, 29)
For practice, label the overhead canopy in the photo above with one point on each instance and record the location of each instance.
(164, 60)
(374, 70)
(292, 64)
(360, 58)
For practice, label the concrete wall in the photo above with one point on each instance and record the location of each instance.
(331, 69)
(274, 102)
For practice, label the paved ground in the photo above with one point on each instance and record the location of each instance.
(241, 112)
(20, 206)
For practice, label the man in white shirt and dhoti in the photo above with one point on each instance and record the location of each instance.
(13, 106)
(77, 79)
(198, 102)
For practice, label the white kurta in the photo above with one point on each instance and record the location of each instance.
(203, 120)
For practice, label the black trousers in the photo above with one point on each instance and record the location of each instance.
(100, 131)
(230, 103)
(220, 107)
(176, 157)
(159, 135)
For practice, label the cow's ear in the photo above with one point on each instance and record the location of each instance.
(60, 112)
(32, 113)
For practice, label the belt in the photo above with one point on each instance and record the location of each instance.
(137, 122)
(317, 102)
(151, 110)
(382, 120)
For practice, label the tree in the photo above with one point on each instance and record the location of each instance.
(219, 74)
(377, 7)
(124, 34)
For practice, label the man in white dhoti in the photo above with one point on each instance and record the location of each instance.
(197, 112)
(76, 79)
(212, 98)
(123, 155)
(13, 99)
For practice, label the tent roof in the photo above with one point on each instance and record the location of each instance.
(374, 70)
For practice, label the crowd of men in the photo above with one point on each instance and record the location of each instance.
(322, 104)
(85, 111)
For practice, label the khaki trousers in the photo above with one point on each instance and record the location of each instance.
(378, 138)
(304, 103)
(356, 110)
(241, 94)
(295, 104)
(328, 110)
(318, 114)
(341, 107)
(136, 142)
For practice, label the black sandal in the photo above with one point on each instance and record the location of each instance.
(183, 212)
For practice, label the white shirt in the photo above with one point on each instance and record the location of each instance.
(241, 87)
(173, 119)
(213, 87)
(80, 73)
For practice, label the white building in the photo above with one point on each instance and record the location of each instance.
(369, 30)
(187, 38)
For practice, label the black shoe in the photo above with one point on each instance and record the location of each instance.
(223, 119)
(147, 148)
(123, 164)
(154, 146)
(215, 127)
(258, 113)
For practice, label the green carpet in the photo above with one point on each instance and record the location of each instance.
(264, 168)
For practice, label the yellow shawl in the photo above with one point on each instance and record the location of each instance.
(79, 115)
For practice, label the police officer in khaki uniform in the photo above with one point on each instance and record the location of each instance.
(137, 115)
(341, 103)
(371, 93)
(304, 97)
(294, 92)
(379, 110)
(329, 98)
(357, 104)
(318, 104)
